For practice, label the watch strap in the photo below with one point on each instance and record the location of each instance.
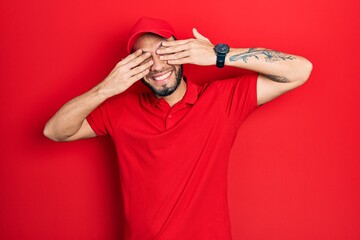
(220, 60)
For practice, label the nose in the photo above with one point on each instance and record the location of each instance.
(158, 64)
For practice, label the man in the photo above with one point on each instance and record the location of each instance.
(173, 139)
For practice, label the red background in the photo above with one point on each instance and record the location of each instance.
(294, 171)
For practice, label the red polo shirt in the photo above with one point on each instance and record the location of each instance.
(173, 160)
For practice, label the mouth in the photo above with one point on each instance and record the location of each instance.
(161, 78)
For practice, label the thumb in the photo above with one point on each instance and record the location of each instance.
(197, 35)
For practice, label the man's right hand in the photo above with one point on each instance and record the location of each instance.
(129, 70)
(69, 123)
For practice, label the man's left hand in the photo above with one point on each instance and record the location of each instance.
(198, 50)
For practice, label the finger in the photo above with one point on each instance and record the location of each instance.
(185, 60)
(139, 75)
(175, 43)
(175, 56)
(138, 60)
(127, 60)
(173, 49)
(131, 57)
(141, 68)
(197, 35)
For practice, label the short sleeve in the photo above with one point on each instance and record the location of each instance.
(239, 96)
(103, 120)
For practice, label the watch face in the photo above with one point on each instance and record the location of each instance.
(222, 48)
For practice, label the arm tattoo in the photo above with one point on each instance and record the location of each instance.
(270, 55)
(277, 78)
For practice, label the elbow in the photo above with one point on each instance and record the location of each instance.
(301, 73)
(50, 135)
(47, 133)
(306, 71)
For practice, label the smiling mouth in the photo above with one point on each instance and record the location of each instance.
(161, 78)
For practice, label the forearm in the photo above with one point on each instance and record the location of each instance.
(277, 66)
(68, 123)
(69, 118)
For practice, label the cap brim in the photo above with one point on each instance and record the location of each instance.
(161, 32)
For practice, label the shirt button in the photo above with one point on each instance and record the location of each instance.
(170, 116)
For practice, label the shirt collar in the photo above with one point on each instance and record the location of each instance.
(191, 93)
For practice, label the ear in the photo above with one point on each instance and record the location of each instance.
(197, 35)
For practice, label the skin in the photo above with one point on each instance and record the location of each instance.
(69, 122)
(155, 56)
(278, 72)
(150, 43)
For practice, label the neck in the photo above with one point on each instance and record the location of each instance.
(176, 96)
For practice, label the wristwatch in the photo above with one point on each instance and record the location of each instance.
(221, 50)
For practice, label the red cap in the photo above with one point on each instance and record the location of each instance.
(149, 25)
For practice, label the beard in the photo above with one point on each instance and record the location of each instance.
(167, 90)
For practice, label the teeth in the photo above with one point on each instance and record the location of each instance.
(162, 77)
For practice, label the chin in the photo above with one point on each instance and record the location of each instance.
(165, 83)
